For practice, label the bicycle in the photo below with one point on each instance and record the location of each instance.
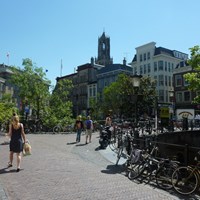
(4, 126)
(150, 168)
(186, 179)
(62, 129)
(122, 145)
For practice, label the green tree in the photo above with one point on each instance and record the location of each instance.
(7, 108)
(193, 77)
(117, 95)
(95, 108)
(33, 86)
(60, 105)
(121, 97)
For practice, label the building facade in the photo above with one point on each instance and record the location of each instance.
(109, 74)
(84, 87)
(159, 64)
(6, 87)
(183, 98)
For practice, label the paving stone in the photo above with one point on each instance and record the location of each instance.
(60, 169)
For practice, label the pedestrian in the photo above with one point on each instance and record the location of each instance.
(108, 121)
(89, 129)
(17, 139)
(109, 128)
(78, 127)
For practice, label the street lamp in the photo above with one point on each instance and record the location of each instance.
(171, 110)
(135, 80)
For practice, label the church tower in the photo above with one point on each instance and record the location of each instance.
(103, 51)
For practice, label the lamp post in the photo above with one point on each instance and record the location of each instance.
(171, 110)
(135, 80)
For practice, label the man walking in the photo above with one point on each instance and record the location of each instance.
(89, 129)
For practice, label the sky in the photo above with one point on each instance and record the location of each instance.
(53, 31)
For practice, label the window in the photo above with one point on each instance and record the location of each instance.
(179, 97)
(148, 55)
(161, 80)
(160, 65)
(155, 77)
(149, 68)
(140, 57)
(187, 96)
(103, 46)
(169, 65)
(161, 95)
(170, 81)
(94, 92)
(165, 66)
(167, 95)
(90, 94)
(141, 70)
(172, 67)
(145, 56)
(155, 67)
(178, 80)
(145, 70)
(185, 82)
(165, 80)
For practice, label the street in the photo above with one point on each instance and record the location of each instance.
(60, 169)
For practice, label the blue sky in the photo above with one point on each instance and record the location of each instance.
(47, 31)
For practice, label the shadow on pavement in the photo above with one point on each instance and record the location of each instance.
(70, 143)
(114, 169)
(98, 148)
(7, 170)
(79, 145)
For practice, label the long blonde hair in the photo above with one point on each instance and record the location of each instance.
(15, 121)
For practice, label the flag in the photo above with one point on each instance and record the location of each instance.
(8, 55)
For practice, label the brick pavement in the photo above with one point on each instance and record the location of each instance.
(58, 169)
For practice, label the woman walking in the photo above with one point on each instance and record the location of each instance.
(16, 134)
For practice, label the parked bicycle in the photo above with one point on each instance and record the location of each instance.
(154, 168)
(186, 179)
(62, 129)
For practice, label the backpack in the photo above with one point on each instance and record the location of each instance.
(88, 124)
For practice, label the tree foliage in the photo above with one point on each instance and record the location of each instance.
(193, 77)
(60, 105)
(95, 108)
(32, 85)
(121, 97)
(7, 108)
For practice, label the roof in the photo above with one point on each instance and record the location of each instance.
(85, 66)
(183, 63)
(162, 50)
(113, 67)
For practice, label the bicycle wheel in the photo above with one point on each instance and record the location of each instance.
(185, 180)
(56, 129)
(113, 144)
(164, 177)
(137, 170)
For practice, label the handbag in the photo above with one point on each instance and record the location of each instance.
(27, 148)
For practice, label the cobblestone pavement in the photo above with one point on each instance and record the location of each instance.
(59, 169)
